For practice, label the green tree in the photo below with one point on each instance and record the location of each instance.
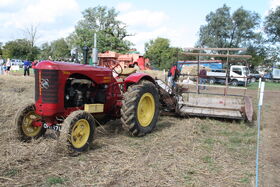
(272, 31)
(1, 50)
(58, 50)
(111, 33)
(21, 49)
(160, 53)
(45, 51)
(239, 29)
(272, 25)
(225, 30)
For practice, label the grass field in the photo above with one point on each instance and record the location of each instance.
(180, 152)
(268, 86)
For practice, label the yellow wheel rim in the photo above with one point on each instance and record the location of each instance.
(27, 127)
(80, 133)
(146, 109)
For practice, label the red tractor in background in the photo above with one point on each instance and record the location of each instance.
(111, 59)
(70, 98)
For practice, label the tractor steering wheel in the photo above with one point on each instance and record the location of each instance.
(117, 69)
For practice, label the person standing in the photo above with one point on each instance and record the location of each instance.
(26, 66)
(1, 65)
(172, 75)
(203, 77)
(8, 66)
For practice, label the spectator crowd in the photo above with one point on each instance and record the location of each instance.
(6, 66)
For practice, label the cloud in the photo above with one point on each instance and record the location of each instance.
(144, 18)
(124, 6)
(53, 18)
(5, 3)
(179, 37)
(53, 34)
(42, 11)
(274, 3)
(148, 25)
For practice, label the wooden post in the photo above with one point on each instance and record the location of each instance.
(227, 79)
(198, 78)
(227, 75)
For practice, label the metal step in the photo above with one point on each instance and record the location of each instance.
(207, 112)
(163, 85)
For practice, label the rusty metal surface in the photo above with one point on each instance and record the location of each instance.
(210, 112)
(248, 108)
(217, 55)
(219, 106)
(167, 99)
(217, 49)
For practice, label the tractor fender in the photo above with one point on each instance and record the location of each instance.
(136, 77)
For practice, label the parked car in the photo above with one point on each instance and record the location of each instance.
(274, 75)
(17, 62)
(254, 76)
(267, 76)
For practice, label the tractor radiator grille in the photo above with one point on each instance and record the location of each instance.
(36, 73)
(47, 87)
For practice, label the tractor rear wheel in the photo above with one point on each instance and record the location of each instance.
(140, 108)
(78, 130)
(24, 121)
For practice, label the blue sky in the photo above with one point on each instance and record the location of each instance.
(177, 20)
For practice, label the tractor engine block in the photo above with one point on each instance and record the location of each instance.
(79, 92)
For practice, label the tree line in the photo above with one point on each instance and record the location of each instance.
(223, 29)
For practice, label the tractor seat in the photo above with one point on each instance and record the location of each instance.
(127, 71)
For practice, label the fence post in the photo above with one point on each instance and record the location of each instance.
(260, 81)
(259, 128)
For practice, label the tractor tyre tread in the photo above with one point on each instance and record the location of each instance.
(129, 108)
(68, 123)
(18, 120)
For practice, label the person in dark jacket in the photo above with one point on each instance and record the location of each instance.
(203, 78)
(26, 66)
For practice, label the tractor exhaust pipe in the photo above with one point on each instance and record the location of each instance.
(94, 52)
(85, 54)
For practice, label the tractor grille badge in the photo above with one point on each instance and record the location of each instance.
(45, 83)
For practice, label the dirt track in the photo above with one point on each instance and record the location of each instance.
(180, 152)
(270, 148)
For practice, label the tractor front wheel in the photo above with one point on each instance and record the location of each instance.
(78, 130)
(25, 121)
(140, 108)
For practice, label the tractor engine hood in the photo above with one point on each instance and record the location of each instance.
(68, 66)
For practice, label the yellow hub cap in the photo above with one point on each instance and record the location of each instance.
(146, 109)
(28, 128)
(80, 133)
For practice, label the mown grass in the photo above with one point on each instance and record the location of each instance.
(235, 142)
(55, 180)
(268, 86)
(21, 72)
(11, 172)
(180, 152)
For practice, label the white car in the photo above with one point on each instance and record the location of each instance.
(17, 62)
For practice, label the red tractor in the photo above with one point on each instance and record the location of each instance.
(110, 58)
(70, 98)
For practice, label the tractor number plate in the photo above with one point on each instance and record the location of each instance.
(53, 127)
